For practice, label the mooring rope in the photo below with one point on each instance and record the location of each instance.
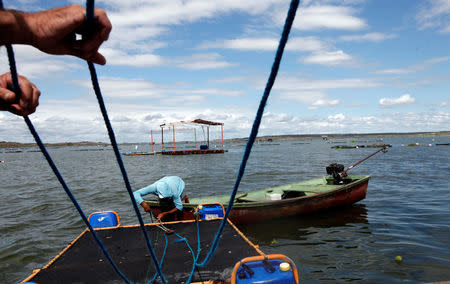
(161, 261)
(273, 74)
(91, 22)
(198, 252)
(16, 90)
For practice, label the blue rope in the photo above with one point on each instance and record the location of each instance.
(198, 253)
(273, 74)
(161, 261)
(90, 21)
(181, 239)
(16, 89)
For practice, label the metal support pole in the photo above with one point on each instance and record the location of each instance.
(151, 138)
(207, 131)
(221, 128)
(173, 131)
(162, 138)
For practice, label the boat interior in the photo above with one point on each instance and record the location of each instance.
(305, 188)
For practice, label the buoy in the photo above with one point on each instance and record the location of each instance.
(398, 259)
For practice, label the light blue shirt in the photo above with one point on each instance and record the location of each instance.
(170, 186)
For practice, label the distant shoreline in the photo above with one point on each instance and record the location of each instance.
(4, 144)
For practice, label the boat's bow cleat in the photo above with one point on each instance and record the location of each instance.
(274, 268)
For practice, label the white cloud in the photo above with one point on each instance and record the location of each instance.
(315, 98)
(313, 92)
(268, 44)
(406, 99)
(434, 14)
(302, 96)
(414, 68)
(117, 57)
(46, 68)
(32, 63)
(203, 61)
(159, 94)
(336, 117)
(331, 58)
(324, 103)
(133, 37)
(159, 12)
(25, 52)
(215, 91)
(289, 83)
(328, 17)
(445, 104)
(340, 123)
(125, 88)
(374, 37)
(137, 24)
(446, 30)
(184, 100)
(229, 79)
(133, 122)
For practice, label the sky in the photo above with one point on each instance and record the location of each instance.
(350, 66)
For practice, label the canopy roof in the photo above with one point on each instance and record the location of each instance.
(195, 121)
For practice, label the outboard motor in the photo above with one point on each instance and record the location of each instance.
(336, 171)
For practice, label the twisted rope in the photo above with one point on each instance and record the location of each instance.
(90, 21)
(273, 74)
(16, 90)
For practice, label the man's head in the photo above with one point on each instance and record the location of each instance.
(166, 203)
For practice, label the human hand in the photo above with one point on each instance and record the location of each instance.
(160, 216)
(54, 31)
(145, 206)
(29, 97)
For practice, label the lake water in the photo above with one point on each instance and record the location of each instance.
(406, 211)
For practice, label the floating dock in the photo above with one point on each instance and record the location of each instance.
(193, 152)
(360, 146)
(177, 152)
(184, 137)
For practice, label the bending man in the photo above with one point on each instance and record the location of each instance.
(168, 190)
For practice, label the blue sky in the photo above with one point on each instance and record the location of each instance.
(350, 66)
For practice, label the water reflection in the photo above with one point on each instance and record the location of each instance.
(299, 228)
(321, 244)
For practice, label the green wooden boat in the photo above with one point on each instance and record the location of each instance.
(281, 201)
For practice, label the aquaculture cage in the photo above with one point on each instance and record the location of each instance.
(188, 137)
